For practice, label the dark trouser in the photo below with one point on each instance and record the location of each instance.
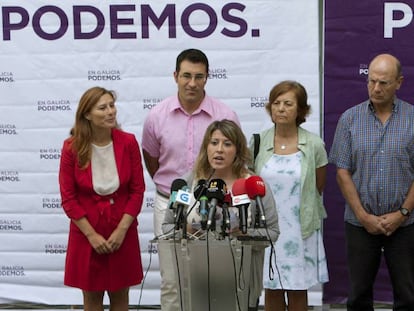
(364, 257)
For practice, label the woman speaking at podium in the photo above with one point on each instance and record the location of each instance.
(223, 162)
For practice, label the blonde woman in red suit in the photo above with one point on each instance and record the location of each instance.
(102, 187)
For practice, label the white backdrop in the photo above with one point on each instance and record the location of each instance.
(52, 51)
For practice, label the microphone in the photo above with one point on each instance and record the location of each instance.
(176, 185)
(225, 211)
(215, 194)
(200, 195)
(200, 189)
(256, 189)
(242, 201)
(181, 202)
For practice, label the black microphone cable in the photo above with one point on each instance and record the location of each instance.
(176, 257)
(270, 268)
(178, 269)
(208, 272)
(205, 186)
(174, 231)
(272, 255)
(236, 285)
(145, 276)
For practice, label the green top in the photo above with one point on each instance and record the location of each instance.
(314, 156)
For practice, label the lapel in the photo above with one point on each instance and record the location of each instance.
(119, 149)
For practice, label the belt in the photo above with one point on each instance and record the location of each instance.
(162, 194)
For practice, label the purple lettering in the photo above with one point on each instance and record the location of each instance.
(185, 20)
(147, 13)
(63, 27)
(8, 26)
(233, 19)
(198, 20)
(115, 21)
(78, 11)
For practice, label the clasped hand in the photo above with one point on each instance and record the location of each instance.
(111, 245)
(385, 224)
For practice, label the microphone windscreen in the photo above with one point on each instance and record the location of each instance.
(216, 190)
(239, 187)
(200, 189)
(255, 186)
(178, 184)
(227, 199)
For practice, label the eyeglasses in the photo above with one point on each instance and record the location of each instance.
(382, 83)
(198, 78)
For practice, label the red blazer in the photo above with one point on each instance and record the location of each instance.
(78, 196)
(85, 268)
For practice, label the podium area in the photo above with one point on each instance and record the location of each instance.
(215, 274)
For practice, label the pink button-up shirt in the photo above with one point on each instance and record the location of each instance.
(174, 137)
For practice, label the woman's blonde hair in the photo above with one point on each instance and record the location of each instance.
(203, 169)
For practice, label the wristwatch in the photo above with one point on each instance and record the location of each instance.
(405, 211)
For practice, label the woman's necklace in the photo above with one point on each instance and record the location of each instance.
(288, 141)
(284, 145)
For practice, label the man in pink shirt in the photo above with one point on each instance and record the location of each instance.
(173, 129)
(171, 139)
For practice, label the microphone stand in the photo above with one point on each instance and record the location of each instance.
(226, 220)
(257, 221)
(184, 224)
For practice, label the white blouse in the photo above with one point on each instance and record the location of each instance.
(105, 177)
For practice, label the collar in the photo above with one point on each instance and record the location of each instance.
(206, 106)
(394, 106)
(301, 138)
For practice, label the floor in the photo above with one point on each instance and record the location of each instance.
(16, 307)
